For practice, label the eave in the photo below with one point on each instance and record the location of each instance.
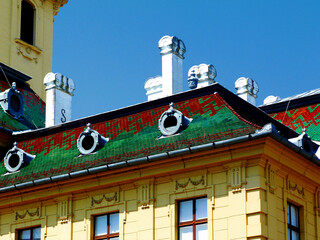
(265, 132)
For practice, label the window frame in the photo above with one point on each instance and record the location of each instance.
(107, 236)
(194, 222)
(19, 231)
(291, 228)
(22, 27)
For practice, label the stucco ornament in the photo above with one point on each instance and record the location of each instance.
(59, 81)
(173, 45)
(246, 85)
(207, 72)
(271, 99)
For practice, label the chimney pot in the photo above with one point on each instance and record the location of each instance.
(205, 73)
(271, 99)
(247, 89)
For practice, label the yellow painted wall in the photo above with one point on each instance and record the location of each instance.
(34, 60)
(247, 189)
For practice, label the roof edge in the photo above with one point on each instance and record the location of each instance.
(265, 132)
(291, 104)
(13, 75)
(237, 103)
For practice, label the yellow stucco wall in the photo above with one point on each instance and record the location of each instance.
(247, 188)
(34, 60)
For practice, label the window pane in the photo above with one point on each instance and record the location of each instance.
(36, 235)
(202, 231)
(114, 223)
(201, 208)
(294, 216)
(295, 235)
(101, 224)
(288, 214)
(25, 234)
(185, 213)
(115, 238)
(186, 233)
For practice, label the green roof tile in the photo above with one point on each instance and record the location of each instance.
(307, 117)
(33, 111)
(131, 136)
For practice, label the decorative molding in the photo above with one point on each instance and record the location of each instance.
(317, 202)
(144, 196)
(27, 212)
(27, 50)
(235, 177)
(64, 210)
(108, 199)
(57, 5)
(173, 45)
(294, 187)
(271, 179)
(194, 183)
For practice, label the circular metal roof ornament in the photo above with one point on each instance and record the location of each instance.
(16, 159)
(90, 141)
(172, 121)
(12, 101)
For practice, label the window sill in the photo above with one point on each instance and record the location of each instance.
(27, 50)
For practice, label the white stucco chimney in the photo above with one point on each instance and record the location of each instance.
(247, 89)
(204, 74)
(59, 92)
(172, 51)
(153, 86)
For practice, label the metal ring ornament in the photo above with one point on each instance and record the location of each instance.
(16, 159)
(90, 141)
(12, 101)
(172, 122)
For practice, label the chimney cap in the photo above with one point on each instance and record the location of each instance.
(271, 99)
(172, 44)
(59, 81)
(246, 85)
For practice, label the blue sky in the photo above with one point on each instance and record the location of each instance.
(110, 48)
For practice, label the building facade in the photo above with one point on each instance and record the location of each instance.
(242, 177)
(26, 37)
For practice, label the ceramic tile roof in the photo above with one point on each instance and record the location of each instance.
(131, 136)
(298, 112)
(307, 117)
(34, 111)
(310, 93)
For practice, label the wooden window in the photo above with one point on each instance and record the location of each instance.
(27, 22)
(293, 222)
(106, 226)
(193, 219)
(30, 234)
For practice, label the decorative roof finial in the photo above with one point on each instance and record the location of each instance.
(88, 128)
(171, 107)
